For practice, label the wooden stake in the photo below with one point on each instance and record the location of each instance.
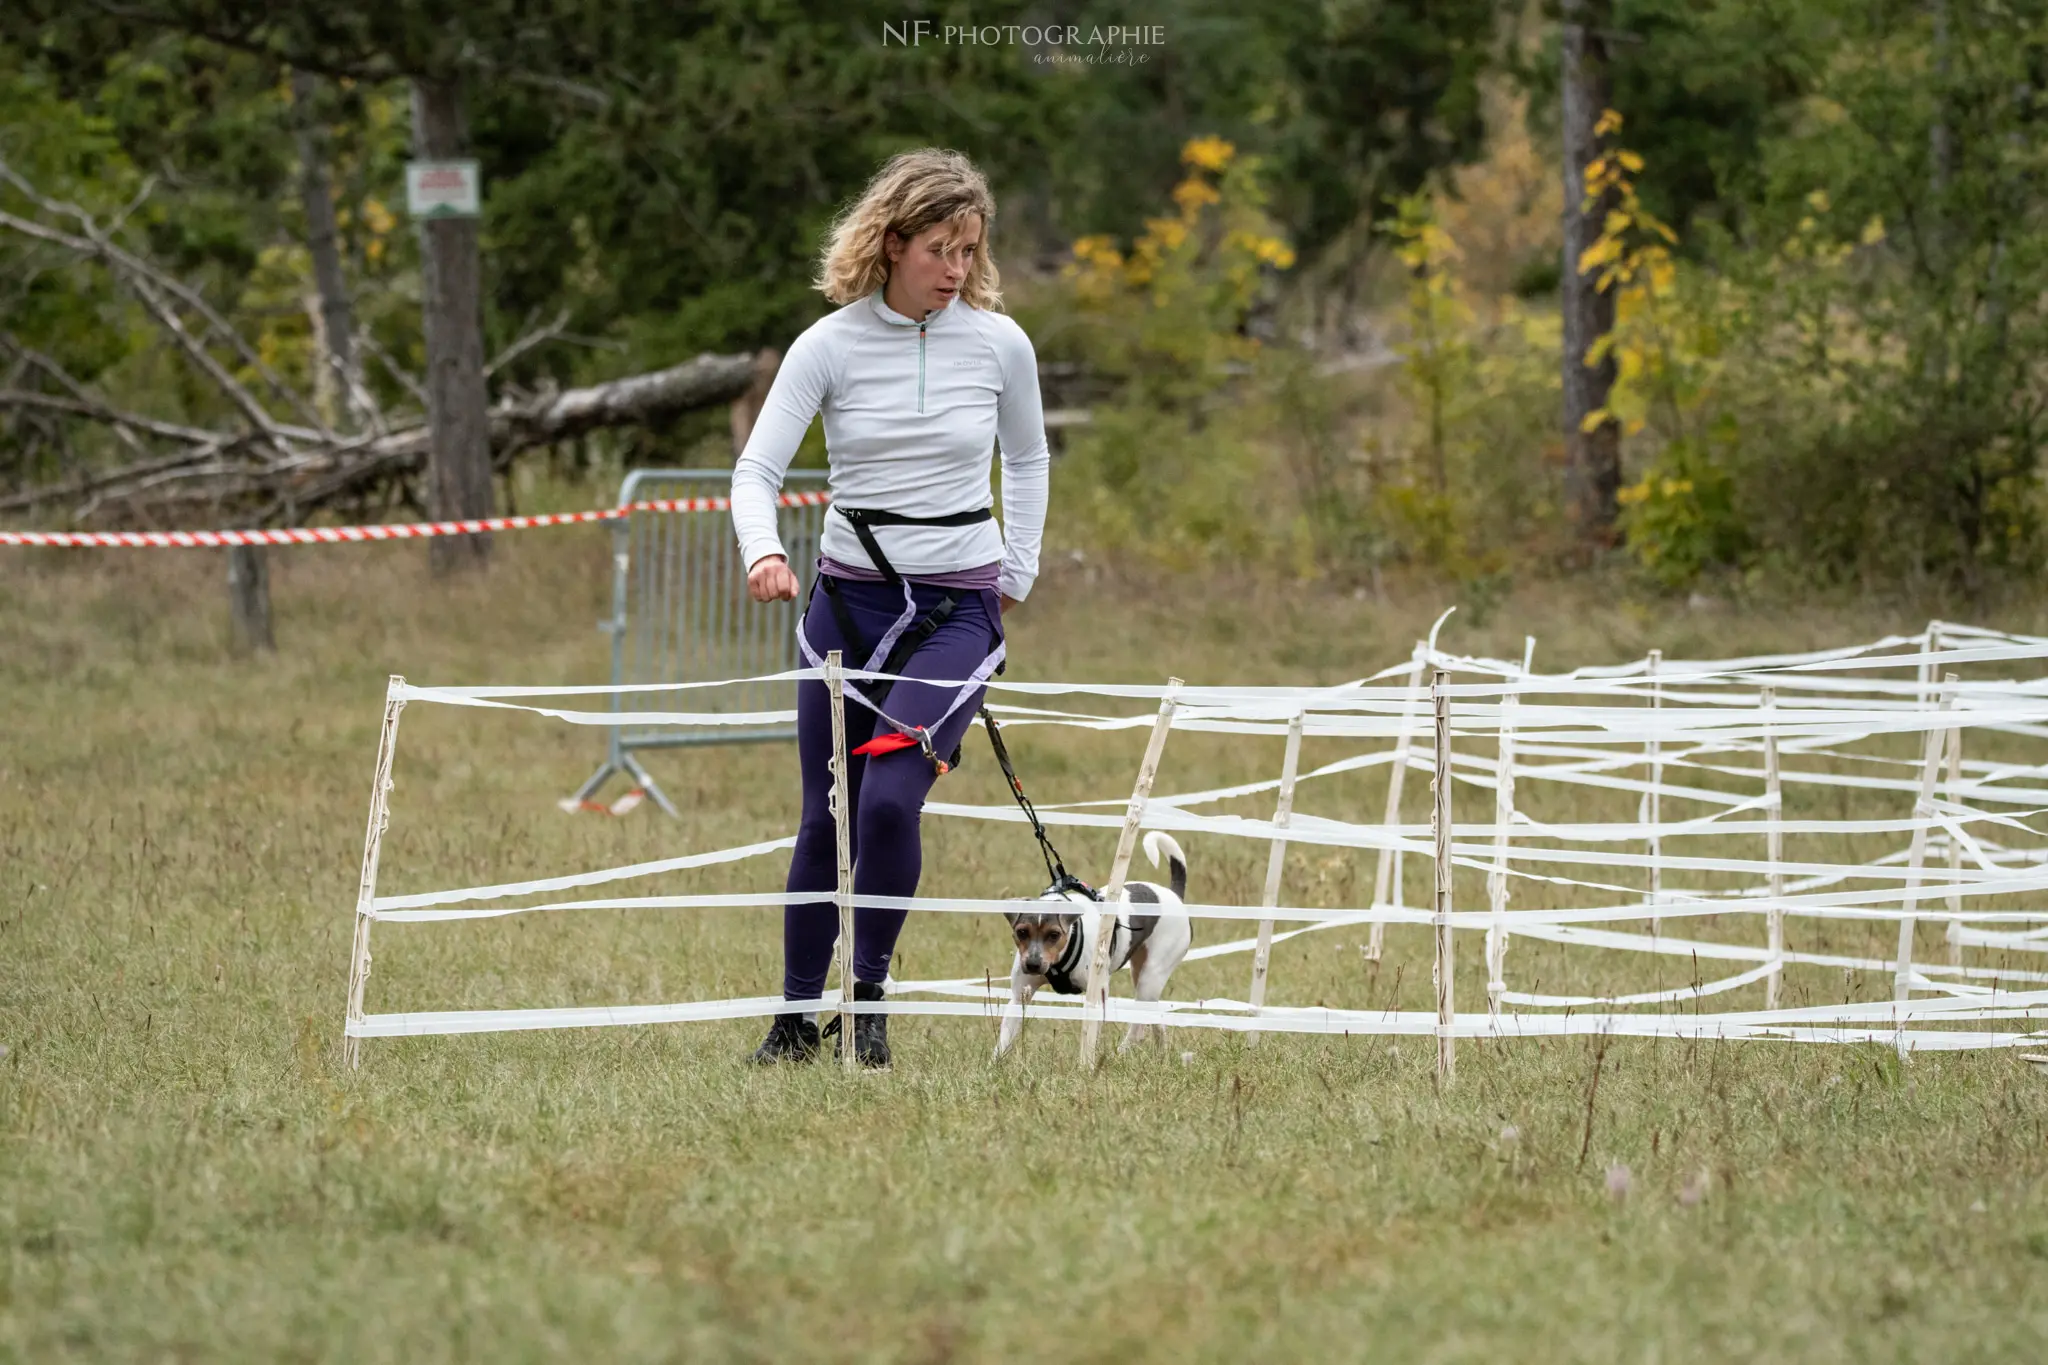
(1097, 998)
(1955, 850)
(1930, 770)
(1384, 874)
(842, 824)
(1283, 812)
(1774, 853)
(1655, 750)
(1503, 819)
(1440, 823)
(366, 888)
(1930, 643)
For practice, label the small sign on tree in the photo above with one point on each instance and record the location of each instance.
(443, 189)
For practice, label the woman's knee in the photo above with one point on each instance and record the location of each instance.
(889, 804)
(817, 834)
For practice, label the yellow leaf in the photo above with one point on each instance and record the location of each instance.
(1630, 160)
(1609, 122)
(1593, 420)
(1819, 200)
(1192, 194)
(1873, 231)
(1210, 153)
(1599, 254)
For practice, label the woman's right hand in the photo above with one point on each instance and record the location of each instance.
(771, 581)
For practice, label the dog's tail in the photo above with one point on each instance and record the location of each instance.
(1176, 861)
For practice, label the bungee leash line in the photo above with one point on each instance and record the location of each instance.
(1055, 866)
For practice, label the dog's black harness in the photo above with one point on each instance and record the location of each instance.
(1060, 976)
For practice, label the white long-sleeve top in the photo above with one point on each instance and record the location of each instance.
(912, 412)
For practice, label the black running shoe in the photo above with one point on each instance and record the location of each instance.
(870, 1031)
(791, 1038)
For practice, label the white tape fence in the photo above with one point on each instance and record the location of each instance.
(1940, 737)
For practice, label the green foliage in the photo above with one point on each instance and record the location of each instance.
(1827, 261)
(1853, 395)
(1169, 315)
(1469, 489)
(1438, 350)
(1172, 464)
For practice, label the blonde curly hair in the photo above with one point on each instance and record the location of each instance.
(912, 191)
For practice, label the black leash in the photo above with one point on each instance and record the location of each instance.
(1055, 867)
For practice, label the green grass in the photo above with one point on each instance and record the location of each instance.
(187, 1173)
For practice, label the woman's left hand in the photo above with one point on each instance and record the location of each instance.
(1007, 602)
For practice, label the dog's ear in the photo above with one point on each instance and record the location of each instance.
(1016, 920)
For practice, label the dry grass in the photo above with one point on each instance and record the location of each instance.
(186, 1173)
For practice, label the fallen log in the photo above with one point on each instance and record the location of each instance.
(232, 471)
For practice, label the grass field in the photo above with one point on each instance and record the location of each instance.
(186, 1172)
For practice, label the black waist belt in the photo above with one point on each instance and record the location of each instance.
(865, 519)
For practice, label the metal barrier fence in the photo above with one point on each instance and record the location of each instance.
(680, 613)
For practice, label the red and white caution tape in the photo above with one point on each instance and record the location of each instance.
(417, 530)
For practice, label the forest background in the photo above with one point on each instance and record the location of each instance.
(1730, 296)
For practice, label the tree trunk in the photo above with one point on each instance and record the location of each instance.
(248, 573)
(337, 318)
(458, 407)
(1593, 458)
(249, 600)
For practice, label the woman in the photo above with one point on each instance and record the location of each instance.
(918, 375)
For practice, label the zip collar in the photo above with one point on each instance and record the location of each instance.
(930, 322)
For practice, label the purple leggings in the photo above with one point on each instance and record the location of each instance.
(887, 790)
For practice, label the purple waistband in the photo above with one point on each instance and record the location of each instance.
(982, 576)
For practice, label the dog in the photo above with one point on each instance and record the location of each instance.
(1055, 947)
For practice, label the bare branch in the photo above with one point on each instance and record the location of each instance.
(90, 484)
(28, 358)
(145, 281)
(165, 315)
(128, 210)
(588, 95)
(538, 336)
(405, 377)
(127, 422)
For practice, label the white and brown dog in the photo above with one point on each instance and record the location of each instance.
(1054, 947)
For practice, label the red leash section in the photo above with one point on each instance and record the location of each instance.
(914, 738)
(343, 535)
